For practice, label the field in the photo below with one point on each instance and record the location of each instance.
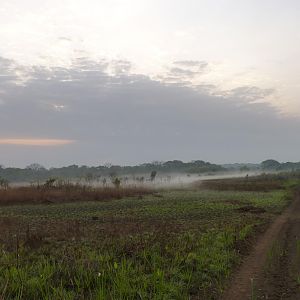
(161, 244)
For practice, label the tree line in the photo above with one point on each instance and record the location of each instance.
(36, 171)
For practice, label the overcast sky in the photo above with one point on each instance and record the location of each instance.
(132, 81)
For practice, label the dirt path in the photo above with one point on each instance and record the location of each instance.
(270, 271)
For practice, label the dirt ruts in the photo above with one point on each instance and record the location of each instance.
(272, 270)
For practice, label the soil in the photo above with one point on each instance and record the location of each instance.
(271, 269)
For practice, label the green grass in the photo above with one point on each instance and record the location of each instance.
(176, 245)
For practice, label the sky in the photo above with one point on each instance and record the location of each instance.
(132, 81)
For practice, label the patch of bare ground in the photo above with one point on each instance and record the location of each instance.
(271, 270)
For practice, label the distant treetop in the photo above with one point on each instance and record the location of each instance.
(270, 164)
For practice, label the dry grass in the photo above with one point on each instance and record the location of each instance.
(42, 195)
(258, 184)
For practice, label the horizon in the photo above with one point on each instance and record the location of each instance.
(111, 164)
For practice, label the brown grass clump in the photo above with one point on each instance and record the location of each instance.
(42, 195)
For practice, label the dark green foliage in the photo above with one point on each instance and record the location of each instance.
(270, 164)
(36, 172)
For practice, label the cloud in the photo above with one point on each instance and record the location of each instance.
(191, 63)
(117, 67)
(130, 118)
(58, 107)
(63, 38)
(249, 93)
(178, 72)
(183, 73)
(7, 71)
(35, 142)
(11, 74)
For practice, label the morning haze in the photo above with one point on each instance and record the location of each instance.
(149, 149)
(148, 83)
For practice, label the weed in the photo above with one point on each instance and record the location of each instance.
(181, 245)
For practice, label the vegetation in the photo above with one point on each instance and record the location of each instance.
(61, 192)
(147, 171)
(273, 165)
(261, 183)
(36, 172)
(4, 183)
(172, 244)
(270, 164)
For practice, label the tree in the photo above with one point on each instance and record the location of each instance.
(4, 183)
(116, 182)
(89, 177)
(157, 163)
(35, 167)
(50, 183)
(270, 164)
(153, 175)
(244, 169)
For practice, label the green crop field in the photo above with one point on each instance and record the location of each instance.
(171, 244)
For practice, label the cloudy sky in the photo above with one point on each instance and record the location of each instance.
(130, 81)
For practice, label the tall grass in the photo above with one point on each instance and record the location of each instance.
(67, 193)
(186, 266)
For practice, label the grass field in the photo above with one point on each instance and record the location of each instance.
(172, 244)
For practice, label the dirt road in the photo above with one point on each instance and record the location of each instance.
(272, 269)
